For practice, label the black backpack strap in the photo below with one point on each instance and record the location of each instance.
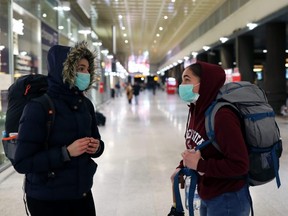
(48, 105)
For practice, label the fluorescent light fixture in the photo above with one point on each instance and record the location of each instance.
(105, 52)
(64, 6)
(97, 43)
(223, 39)
(252, 25)
(84, 31)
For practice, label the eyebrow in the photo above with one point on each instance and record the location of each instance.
(185, 76)
(83, 65)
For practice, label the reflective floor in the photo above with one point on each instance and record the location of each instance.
(143, 146)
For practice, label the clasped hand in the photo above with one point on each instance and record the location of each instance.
(191, 158)
(80, 146)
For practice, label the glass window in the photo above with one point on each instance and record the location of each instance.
(26, 42)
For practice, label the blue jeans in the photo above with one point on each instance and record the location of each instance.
(228, 204)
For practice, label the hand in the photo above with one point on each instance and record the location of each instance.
(174, 173)
(191, 158)
(80, 146)
(93, 146)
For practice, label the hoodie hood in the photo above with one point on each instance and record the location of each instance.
(62, 65)
(212, 79)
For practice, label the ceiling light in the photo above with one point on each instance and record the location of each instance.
(160, 28)
(125, 35)
(194, 54)
(44, 15)
(110, 56)
(264, 51)
(123, 27)
(186, 58)
(158, 35)
(206, 48)
(2, 47)
(251, 25)
(60, 27)
(126, 41)
(165, 17)
(223, 39)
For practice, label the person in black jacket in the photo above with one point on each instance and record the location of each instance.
(58, 179)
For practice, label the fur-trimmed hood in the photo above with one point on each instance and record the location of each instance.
(62, 64)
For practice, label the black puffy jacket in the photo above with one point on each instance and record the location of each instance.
(49, 175)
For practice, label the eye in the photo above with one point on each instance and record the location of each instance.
(81, 69)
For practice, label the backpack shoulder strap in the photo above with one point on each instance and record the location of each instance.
(49, 107)
(210, 120)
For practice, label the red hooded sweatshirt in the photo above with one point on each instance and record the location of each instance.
(221, 169)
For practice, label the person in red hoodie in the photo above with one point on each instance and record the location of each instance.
(222, 185)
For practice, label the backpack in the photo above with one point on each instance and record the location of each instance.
(23, 90)
(261, 132)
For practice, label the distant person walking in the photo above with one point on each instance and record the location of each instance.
(136, 92)
(129, 92)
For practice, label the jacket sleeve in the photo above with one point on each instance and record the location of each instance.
(233, 159)
(95, 130)
(32, 155)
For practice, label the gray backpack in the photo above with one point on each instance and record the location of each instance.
(261, 132)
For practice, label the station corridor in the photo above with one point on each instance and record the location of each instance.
(143, 147)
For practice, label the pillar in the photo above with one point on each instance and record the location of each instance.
(274, 73)
(244, 57)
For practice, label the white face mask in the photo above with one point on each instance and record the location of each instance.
(186, 93)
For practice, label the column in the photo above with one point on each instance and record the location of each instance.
(244, 57)
(227, 55)
(274, 73)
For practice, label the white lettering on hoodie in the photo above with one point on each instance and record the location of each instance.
(195, 137)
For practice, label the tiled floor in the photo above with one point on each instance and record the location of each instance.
(143, 146)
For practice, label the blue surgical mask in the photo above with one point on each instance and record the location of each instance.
(82, 80)
(186, 93)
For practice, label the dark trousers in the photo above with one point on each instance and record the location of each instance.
(79, 207)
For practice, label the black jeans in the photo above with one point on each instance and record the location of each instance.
(84, 206)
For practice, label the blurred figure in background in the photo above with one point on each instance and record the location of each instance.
(129, 92)
(136, 91)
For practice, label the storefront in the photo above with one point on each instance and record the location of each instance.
(36, 26)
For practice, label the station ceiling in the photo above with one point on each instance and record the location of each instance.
(155, 26)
